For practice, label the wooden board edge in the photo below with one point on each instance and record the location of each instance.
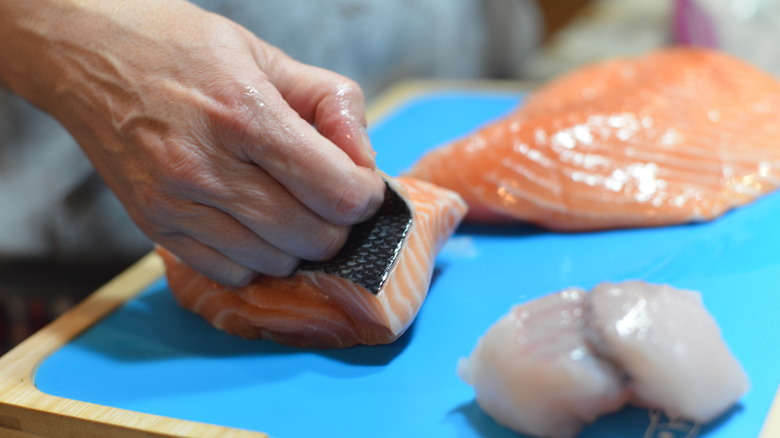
(771, 428)
(29, 412)
(85, 420)
(21, 361)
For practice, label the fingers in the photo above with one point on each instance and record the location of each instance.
(208, 261)
(264, 207)
(334, 104)
(243, 224)
(270, 191)
(293, 199)
(230, 257)
(309, 166)
(222, 249)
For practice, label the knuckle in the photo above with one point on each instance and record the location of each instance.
(152, 210)
(355, 203)
(242, 120)
(281, 266)
(236, 119)
(159, 207)
(351, 205)
(234, 275)
(178, 164)
(348, 88)
(158, 214)
(330, 242)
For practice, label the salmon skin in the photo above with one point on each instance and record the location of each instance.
(677, 135)
(371, 247)
(368, 294)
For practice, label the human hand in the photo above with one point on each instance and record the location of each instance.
(222, 149)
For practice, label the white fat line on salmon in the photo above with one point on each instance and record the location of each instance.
(372, 247)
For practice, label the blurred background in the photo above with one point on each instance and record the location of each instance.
(63, 235)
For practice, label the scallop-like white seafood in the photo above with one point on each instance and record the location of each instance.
(670, 347)
(556, 363)
(535, 372)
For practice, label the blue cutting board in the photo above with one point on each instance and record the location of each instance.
(153, 357)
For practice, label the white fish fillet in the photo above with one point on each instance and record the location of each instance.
(535, 372)
(554, 364)
(670, 346)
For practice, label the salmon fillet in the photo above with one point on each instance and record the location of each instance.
(345, 301)
(675, 136)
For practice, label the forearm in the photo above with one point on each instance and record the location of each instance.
(33, 33)
(55, 48)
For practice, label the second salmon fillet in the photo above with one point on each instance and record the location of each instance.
(678, 135)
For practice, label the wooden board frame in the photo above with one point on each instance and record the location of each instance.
(26, 412)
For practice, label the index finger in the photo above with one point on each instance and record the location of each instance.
(335, 106)
(311, 167)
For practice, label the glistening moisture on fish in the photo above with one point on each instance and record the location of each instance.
(640, 148)
(634, 142)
